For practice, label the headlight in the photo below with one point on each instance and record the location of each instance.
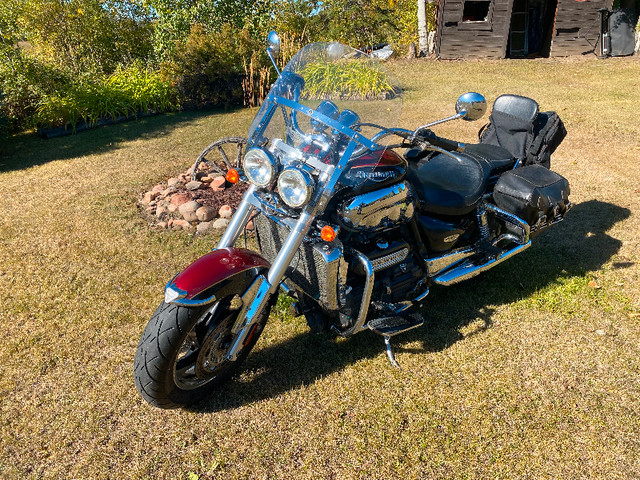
(295, 187)
(259, 167)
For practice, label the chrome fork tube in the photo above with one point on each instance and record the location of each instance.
(239, 220)
(257, 296)
(289, 249)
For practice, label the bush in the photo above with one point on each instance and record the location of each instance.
(208, 69)
(25, 81)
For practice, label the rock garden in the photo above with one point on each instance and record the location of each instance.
(199, 203)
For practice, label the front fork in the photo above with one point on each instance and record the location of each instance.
(255, 299)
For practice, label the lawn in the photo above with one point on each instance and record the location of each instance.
(531, 370)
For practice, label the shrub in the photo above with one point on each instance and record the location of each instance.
(25, 81)
(208, 69)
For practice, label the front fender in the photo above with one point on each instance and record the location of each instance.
(213, 276)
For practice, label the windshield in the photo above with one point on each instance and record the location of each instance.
(328, 96)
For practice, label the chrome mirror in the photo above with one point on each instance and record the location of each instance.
(273, 48)
(471, 106)
(273, 44)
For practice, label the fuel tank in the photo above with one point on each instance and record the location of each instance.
(374, 170)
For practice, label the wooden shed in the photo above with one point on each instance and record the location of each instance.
(517, 28)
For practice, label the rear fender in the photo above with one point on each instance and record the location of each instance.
(217, 274)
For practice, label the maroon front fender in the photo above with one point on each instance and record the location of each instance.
(215, 275)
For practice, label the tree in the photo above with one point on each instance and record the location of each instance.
(423, 42)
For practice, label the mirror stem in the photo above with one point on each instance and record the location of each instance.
(438, 122)
(273, 60)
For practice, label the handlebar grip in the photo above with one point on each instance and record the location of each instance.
(437, 141)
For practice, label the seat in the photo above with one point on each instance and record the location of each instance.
(450, 187)
(511, 124)
(499, 158)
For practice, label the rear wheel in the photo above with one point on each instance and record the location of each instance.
(181, 355)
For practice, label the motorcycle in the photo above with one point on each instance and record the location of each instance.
(354, 220)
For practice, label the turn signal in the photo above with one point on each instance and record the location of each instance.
(232, 176)
(327, 234)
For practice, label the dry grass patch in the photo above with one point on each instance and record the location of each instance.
(529, 371)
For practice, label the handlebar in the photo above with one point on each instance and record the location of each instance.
(436, 141)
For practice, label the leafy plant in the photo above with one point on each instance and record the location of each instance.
(126, 92)
(346, 79)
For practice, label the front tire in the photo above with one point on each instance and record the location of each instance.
(180, 356)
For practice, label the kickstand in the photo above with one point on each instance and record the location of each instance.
(392, 359)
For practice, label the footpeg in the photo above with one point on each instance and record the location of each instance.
(390, 326)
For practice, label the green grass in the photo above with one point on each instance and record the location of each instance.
(528, 371)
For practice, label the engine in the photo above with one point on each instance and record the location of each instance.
(398, 275)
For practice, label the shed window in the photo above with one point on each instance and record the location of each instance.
(476, 11)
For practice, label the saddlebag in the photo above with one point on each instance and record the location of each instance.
(535, 194)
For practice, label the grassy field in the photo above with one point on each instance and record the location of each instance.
(530, 371)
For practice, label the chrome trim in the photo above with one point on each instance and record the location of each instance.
(512, 219)
(438, 264)
(239, 219)
(469, 270)
(366, 295)
(389, 260)
(378, 209)
(172, 292)
(253, 303)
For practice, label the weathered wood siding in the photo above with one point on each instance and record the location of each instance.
(462, 40)
(577, 26)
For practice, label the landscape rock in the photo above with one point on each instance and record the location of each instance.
(167, 191)
(161, 211)
(203, 227)
(190, 216)
(182, 224)
(173, 182)
(180, 198)
(218, 183)
(193, 185)
(188, 211)
(225, 212)
(172, 208)
(158, 188)
(190, 206)
(149, 197)
(250, 225)
(220, 224)
(163, 225)
(206, 213)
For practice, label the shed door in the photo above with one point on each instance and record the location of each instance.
(531, 28)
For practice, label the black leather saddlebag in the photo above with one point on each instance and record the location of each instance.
(533, 193)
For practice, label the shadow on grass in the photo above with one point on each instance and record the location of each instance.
(574, 247)
(27, 149)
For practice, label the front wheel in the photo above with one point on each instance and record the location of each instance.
(181, 355)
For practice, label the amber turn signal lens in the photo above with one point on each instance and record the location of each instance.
(328, 234)
(232, 176)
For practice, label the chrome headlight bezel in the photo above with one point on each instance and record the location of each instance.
(252, 170)
(302, 184)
